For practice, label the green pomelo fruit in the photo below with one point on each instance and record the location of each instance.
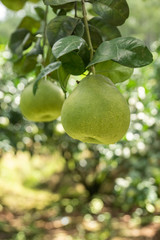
(45, 105)
(96, 112)
(114, 71)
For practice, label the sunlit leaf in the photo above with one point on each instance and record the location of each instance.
(66, 45)
(30, 24)
(14, 5)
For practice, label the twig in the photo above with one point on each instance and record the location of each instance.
(44, 31)
(88, 33)
(75, 8)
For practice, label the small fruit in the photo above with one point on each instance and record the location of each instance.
(96, 112)
(45, 105)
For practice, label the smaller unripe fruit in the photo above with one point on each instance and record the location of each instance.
(45, 105)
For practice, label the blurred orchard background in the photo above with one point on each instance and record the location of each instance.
(55, 188)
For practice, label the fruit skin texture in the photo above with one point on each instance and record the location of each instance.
(96, 112)
(45, 105)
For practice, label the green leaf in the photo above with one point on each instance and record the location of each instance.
(95, 36)
(50, 68)
(37, 49)
(127, 51)
(62, 9)
(25, 65)
(114, 71)
(60, 27)
(79, 29)
(66, 45)
(114, 11)
(62, 12)
(30, 24)
(84, 53)
(73, 63)
(34, 1)
(63, 77)
(40, 12)
(59, 2)
(14, 5)
(20, 39)
(107, 31)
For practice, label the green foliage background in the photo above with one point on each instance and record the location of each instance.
(51, 184)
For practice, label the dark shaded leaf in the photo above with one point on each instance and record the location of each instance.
(36, 50)
(63, 77)
(73, 63)
(79, 29)
(66, 45)
(84, 53)
(20, 39)
(61, 12)
(30, 24)
(127, 51)
(107, 31)
(62, 9)
(40, 12)
(59, 2)
(114, 11)
(48, 69)
(25, 65)
(60, 27)
(95, 36)
(114, 71)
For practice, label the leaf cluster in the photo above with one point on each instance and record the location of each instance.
(69, 50)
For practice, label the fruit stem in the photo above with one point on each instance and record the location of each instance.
(88, 33)
(44, 31)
